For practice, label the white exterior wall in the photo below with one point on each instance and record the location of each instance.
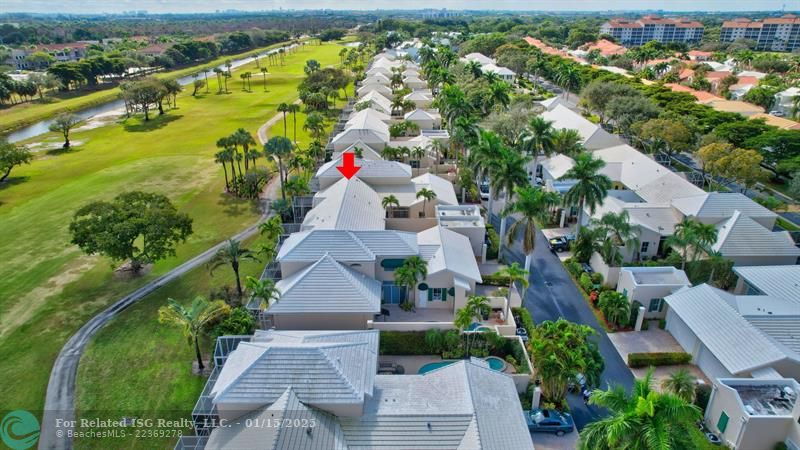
(763, 260)
(643, 293)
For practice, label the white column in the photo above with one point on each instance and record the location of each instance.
(639, 319)
(536, 398)
(423, 298)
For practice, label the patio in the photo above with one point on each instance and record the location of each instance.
(651, 341)
(396, 314)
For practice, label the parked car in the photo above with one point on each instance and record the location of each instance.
(523, 334)
(483, 188)
(560, 243)
(777, 113)
(549, 421)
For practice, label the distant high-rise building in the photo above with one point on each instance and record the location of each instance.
(653, 28)
(780, 34)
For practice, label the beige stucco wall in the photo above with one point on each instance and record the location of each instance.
(328, 321)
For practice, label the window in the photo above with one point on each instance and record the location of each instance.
(390, 265)
(437, 294)
(722, 424)
(392, 293)
(655, 304)
(645, 246)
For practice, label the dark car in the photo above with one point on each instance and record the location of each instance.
(560, 243)
(549, 421)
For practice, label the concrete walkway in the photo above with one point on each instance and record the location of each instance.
(60, 397)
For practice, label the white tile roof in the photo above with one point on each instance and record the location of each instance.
(327, 286)
(377, 87)
(346, 205)
(552, 102)
(418, 96)
(557, 165)
(593, 137)
(377, 78)
(320, 371)
(325, 435)
(500, 70)
(480, 57)
(720, 205)
(445, 193)
(736, 343)
(379, 102)
(379, 69)
(420, 114)
(372, 171)
(369, 119)
(446, 250)
(343, 245)
(742, 236)
(777, 281)
(367, 150)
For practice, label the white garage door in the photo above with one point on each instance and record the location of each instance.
(681, 332)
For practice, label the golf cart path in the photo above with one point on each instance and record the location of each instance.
(60, 396)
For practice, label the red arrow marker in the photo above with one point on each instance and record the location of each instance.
(348, 167)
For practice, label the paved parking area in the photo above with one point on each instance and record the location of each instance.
(548, 441)
(650, 341)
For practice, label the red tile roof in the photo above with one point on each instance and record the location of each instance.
(701, 96)
(59, 47)
(747, 23)
(698, 53)
(607, 48)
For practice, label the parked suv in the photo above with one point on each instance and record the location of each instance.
(560, 243)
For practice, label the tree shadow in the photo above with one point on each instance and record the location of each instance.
(62, 151)
(234, 206)
(12, 181)
(142, 126)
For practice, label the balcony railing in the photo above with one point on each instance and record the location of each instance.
(191, 443)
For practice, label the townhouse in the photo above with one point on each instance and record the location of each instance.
(490, 65)
(320, 390)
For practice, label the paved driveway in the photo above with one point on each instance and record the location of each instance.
(547, 441)
(552, 295)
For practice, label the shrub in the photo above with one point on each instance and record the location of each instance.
(479, 352)
(495, 280)
(519, 354)
(574, 268)
(615, 307)
(452, 340)
(702, 394)
(434, 339)
(658, 359)
(780, 446)
(238, 322)
(597, 278)
(526, 319)
(511, 360)
(662, 323)
(403, 343)
(494, 243)
(586, 282)
(455, 354)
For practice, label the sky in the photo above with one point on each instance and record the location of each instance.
(188, 6)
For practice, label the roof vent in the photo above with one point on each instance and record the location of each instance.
(309, 430)
(429, 426)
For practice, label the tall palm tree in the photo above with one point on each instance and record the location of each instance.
(293, 108)
(194, 320)
(283, 108)
(616, 227)
(264, 72)
(533, 204)
(472, 311)
(262, 289)
(537, 139)
(222, 157)
(390, 202)
(484, 156)
(681, 383)
(569, 77)
(426, 195)
(272, 229)
(413, 270)
(515, 274)
(231, 254)
(690, 233)
(475, 69)
(644, 419)
(591, 187)
(505, 176)
(500, 94)
(315, 125)
(279, 147)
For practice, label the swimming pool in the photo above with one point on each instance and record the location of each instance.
(495, 363)
(478, 327)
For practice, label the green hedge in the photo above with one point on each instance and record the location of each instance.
(494, 243)
(658, 359)
(525, 318)
(496, 280)
(403, 343)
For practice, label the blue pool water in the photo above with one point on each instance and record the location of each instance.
(478, 327)
(494, 364)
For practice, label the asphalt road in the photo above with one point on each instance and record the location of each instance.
(553, 295)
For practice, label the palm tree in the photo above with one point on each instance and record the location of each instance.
(293, 108)
(644, 419)
(484, 156)
(616, 307)
(681, 383)
(692, 233)
(617, 229)
(426, 195)
(279, 147)
(473, 311)
(568, 77)
(403, 276)
(222, 157)
(567, 142)
(591, 187)
(231, 254)
(505, 176)
(537, 139)
(413, 270)
(474, 68)
(315, 125)
(218, 72)
(500, 93)
(272, 229)
(264, 72)
(533, 204)
(390, 202)
(515, 274)
(194, 320)
(283, 108)
(262, 289)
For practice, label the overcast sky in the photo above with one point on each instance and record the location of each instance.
(166, 6)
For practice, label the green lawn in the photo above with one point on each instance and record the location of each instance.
(26, 113)
(49, 289)
(137, 367)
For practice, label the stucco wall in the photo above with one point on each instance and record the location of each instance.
(320, 321)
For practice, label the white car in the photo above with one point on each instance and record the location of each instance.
(483, 188)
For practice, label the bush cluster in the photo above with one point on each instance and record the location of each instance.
(636, 360)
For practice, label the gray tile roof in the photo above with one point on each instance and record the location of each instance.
(327, 287)
(343, 245)
(720, 205)
(323, 371)
(742, 236)
(370, 168)
(346, 205)
(777, 281)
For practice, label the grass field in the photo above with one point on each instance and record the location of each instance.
(49, 289)
(18, 116)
